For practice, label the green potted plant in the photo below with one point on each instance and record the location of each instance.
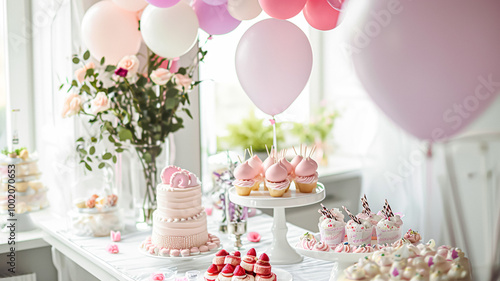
(250, 132)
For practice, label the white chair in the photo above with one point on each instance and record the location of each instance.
(472, 215)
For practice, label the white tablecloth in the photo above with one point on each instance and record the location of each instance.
(131, 264)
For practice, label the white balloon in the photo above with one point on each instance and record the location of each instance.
(244, 9)
(169, 32)
(131, 5)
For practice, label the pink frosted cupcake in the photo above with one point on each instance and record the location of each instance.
(358, 231)
(256, 164)
(368, 215)
(289, 170)
(306, 175)
(389, 228)
(331, 226)
(247, 178)
(270, 160)
(277, 180)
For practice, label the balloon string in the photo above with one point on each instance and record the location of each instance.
(275, 144)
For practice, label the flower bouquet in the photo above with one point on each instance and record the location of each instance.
(133, 108)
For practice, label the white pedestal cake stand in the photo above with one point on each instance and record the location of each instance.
(280, 251)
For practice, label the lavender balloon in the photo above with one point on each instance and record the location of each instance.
(214, 20)
(273, 64)
(163, 3)
(431, 66)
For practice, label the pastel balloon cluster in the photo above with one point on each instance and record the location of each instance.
(178, 178)
(320, 14)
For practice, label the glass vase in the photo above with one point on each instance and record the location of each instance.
(146, 165)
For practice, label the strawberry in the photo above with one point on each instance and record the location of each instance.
(213, 269)
(222, 253)
(239, 271)
(252, 252)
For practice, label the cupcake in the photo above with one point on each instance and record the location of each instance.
(226, 274)
(389, 228)
(247, 178)
(219, 258)
(358, 231)
(262, 266)
(239, 274)
(306, 175)
(248, 261)
(368, 215)
(211, 273)
(289, 170)
(256, 164)
(331, 226)
(270, 160)
(233, 259)
(277, 180)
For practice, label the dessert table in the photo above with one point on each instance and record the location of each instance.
(130, 264)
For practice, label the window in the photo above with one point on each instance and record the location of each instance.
(3, 88)
(333, 87)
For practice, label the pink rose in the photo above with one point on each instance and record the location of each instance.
(157, 277)
(80, 73)
(182, 81)
(99, 103)
(131, 64)
(160, 76)
(72, 105)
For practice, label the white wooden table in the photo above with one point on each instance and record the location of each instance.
(130, 264)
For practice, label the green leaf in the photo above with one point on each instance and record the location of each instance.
(182, 71)
(76, 60)
(92, 150)
(119, 150)
(93, 139)
(114, 159)
(171, 103)
(89, 72)
(188, 112)
(74, 83)
(101, 165)
(147, 157)
(89, 159)
(86, 55)
(124, 134)
(111, 139)
(83, 151)
(88, 166)
(106, 156)
(110, 68)
(60, 87)
(79, 139)
(102, 60)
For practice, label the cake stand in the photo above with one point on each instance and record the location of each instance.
(280, 251)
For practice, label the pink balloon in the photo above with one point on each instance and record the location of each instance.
(336, 4)
(282, 9)
(320, 15)
(163, 3)
(215, 2)
(111, 32)
(214, 20)
(431, 66)
(273, 64)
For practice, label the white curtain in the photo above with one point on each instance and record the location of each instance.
(397, 167)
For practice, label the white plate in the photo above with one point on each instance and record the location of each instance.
(180, 258)
(282, 275)
(292, 198)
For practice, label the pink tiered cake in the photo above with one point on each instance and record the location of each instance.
(180, 222)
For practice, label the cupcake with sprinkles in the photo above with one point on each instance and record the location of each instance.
(359, 231)
(389, 228)
(368, 215)
(331, 226)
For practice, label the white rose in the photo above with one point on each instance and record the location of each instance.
(131, 64)
(160, 76)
